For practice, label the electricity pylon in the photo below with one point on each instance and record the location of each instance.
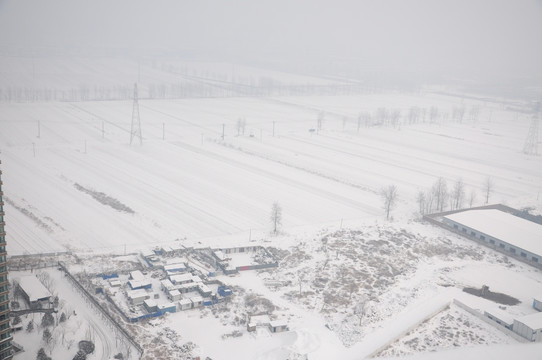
(135, 129)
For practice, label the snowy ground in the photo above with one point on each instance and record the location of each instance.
(73, 183)
(171, 185)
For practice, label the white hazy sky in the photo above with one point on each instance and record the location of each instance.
(488, 36)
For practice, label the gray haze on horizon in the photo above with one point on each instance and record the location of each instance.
(486, 38)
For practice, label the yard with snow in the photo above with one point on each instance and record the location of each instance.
(350, 284)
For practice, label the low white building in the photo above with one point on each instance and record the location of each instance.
(500, 317)
(529, 327)
(197, 301)
(500, 230)
(278, 326)
(138, 296)
(136, 275)
(150, 305)
(167, 285)
(174, 295)
(181, 279)
(185, 304)
(537, 303)
(33, 290)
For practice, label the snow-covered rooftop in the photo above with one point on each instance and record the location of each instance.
(534, 321)
(278, 323)
(33, 288)
(501, 315)
(180, 278)
(137, 275)
(514, 230)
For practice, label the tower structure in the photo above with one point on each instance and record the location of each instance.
(5, 329)
(531, 142)
(135, 129)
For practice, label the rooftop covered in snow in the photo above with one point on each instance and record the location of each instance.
(534, 321)
(500, 225)
(33, 288)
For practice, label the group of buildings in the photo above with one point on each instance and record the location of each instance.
(174, 287)
(514, 236)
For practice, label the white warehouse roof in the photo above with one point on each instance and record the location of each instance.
(534, 321)
(500, 225)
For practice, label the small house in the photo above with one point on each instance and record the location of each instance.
(181, 279)
(251, 327)
(136, 275)
(185, 304)
(529, 326)
(167, 251)
(167, 285)
(278, 326)
(197, 301)
(168, 307)
(174, 295)
(137, 297)
(175, 268)
(188, 287)
(140, 284)
(33, 290)
(150, 305)
(204, 290)
(537, 303)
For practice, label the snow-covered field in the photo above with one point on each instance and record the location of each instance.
(72, 182)
(186, 182)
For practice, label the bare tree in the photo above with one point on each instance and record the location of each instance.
(458, 194)
(420, 199)
(360, 308)
(488, 187)
(276, 216)
(389, 195)
(472, 197)
(440, 193)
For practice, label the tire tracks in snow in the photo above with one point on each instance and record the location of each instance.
(283, 179)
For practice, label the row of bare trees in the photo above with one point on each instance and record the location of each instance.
(392, 116)
(441, 198)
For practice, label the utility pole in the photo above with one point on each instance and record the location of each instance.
(135, 129)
